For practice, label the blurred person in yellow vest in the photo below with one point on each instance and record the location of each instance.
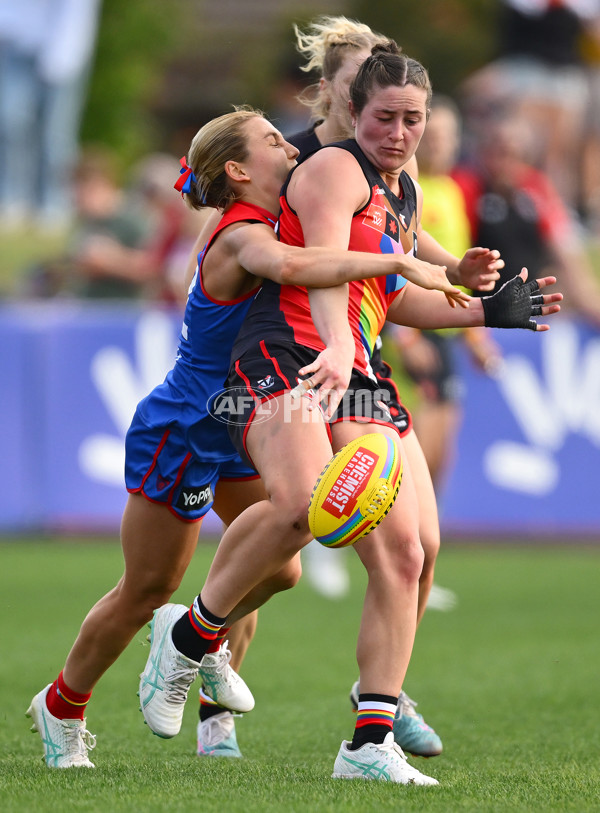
(428, 356)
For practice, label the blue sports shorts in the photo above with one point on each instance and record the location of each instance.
(160, 465)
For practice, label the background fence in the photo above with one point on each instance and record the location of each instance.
(528, 454)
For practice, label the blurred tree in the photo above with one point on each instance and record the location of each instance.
(136, 40)
(163, 67)
(450, 37)
(242, 53)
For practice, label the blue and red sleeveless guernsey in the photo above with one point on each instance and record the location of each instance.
(385, 224)
(203, 356)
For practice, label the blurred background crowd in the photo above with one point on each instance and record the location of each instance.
(100, 98)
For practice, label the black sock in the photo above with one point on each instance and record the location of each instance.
(188, 638)
(374, 719)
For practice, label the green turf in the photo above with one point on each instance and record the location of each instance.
(509, 678)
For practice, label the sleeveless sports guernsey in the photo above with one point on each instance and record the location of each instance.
(386, 224)
(203, 357)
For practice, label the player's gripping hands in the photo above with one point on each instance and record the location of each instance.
(329, 376)
(478, 269)
(518, 301)
(330, 372)
(432, 277)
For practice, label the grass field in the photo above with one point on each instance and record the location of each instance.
(509, 678)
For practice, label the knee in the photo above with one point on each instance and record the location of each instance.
(410, 561)
(291, 511)
(290, 574)
(402, 560)
(287, 577)
(143, 598)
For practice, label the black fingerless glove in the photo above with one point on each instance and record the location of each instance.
(513, 305)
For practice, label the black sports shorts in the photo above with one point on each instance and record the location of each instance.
(271, 369)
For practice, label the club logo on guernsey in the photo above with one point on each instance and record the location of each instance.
(192, 499)
(391, 226)
(343, 496)
(266, 382)
(162, 482)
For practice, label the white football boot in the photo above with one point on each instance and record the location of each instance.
(411, 732)
(66, 742)
(166, 680)
(222, 684)
(385, 762)
(216, 736)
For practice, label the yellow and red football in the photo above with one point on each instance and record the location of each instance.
(355, 490)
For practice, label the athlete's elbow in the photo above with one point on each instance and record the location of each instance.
(291, 269)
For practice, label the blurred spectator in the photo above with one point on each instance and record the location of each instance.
(173, 225)
(515, 208)
(540, 74)
(105, 253)
(590, 159)
(46, 49)
(428, 357)
(125, 243)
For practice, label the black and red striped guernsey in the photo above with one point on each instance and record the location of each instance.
(386, 224)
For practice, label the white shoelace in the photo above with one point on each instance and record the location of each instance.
(218, 728)
(178, 683)
(393, 747)
(407, 706)
(224, 658)
(79, 741)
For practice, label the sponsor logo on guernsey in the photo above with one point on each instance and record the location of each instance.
(191, 499)
(343, 496)
(382, 220)
(375, 217)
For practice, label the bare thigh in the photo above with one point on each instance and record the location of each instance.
(234, 496)
(429, 527)
(157, 547)
(289, 452)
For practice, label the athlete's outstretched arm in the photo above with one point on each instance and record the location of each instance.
(478, 269)
(514, 306)
(259, 254)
